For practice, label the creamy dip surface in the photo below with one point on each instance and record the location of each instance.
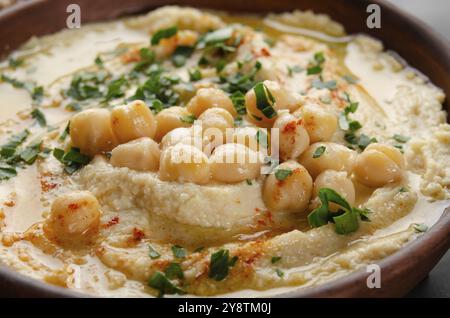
(108, 212)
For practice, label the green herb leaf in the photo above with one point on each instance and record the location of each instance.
(264, 100)
(238, 99)
(249, 182)
(7, 173)
(275, 259)
(316, 69)
(178, 251)
(39, 116)
(219, 265)
(37, 93)
(115, 89)
(153, 253)
(401, 138)
(189, 119)
(282, 174)
(98, 61)
(181, 54)
(346, 219)
(174, 271)
(163, 34)
(319, 84)
(319, 151)
(160, 282)
(279, 272)
(15, 63)
(195, 75)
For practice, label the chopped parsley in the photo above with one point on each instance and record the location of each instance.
(240, 82)
(147, 59)
(220, 263)
(351, 126)
(154, 254)
(238, 99)
(86, 85)
(320, 84)
(316, 66)
(116, 88)
(401, 138)
(249, 182)
(346, 219)
(178, 251)
(39, 116)
(195, 75)
(99, 62)
(7, 172)
(160, 282)
(189, 119)
(15, 63)
(319, 152)
(279, 272)
(275, 259)
(181, 54)
(163, 34)
(73, 160)
(282, 174)
(36, 92)
(174, 271)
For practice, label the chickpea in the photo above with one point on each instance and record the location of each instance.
(91, 131)
(283, 100)
(175, 136)
(215, 122)
(216, 118)
(291, 194)
(235, 163)
(246, 136)
(74, 218)
(378, 165)
(319, 123)
(335, 157)
(170, 118)
(208, 98)
(133, 121)
(184, 163)
(339, 182)
(294, 138)
(140, 154)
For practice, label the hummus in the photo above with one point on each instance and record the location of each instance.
(152, 226)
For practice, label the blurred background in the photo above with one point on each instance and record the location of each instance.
(434, 12)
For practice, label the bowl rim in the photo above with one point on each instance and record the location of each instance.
(437, 238)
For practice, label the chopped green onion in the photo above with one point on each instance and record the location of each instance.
(264, 100)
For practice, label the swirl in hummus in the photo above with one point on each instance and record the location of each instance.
(94, 121)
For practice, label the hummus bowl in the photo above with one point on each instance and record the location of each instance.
(229, 152)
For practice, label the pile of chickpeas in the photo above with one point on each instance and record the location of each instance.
(142, 141)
